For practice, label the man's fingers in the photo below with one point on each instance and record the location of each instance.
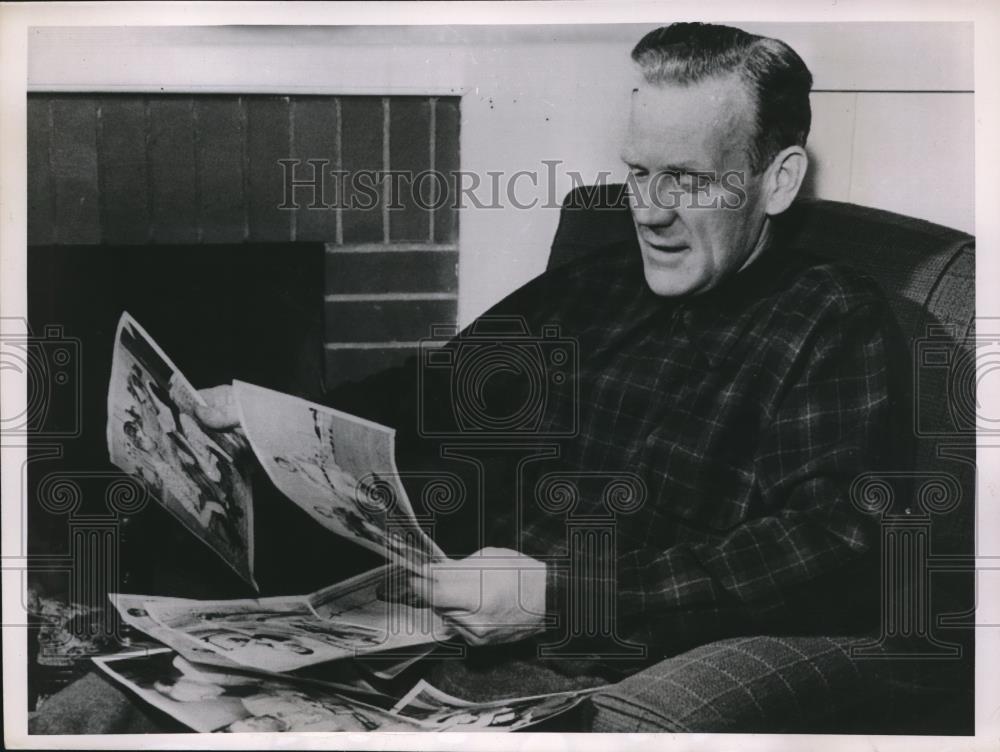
(475, 631)
(210, 417)
(402, 591)
(420, 589)
(470, 634)
(493, 596)
(216, 395)
(451, 589)
(440, 589)
(219, 411)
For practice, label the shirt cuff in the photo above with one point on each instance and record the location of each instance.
(556, 589)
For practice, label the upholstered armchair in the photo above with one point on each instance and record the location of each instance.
(915, 674)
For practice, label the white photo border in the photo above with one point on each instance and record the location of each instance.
(17, 18)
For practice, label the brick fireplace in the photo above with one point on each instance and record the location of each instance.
(114, 170)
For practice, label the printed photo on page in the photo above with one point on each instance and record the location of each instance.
(270, 634)
(440, 711)
(375, 599)
(133, 612)
(155, 677)
(337, 467)
(219, 700)
(259, 634)
(199, 475)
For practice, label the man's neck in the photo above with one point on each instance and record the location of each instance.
(764, 238)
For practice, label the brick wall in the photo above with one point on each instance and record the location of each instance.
(204, 169)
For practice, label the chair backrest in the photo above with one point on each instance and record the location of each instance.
(928, 275)
(927, 271)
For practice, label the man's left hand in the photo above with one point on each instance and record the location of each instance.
(495, 595)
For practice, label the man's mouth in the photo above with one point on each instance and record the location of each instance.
(667, 249)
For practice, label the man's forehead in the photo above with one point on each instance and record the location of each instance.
(705, 122)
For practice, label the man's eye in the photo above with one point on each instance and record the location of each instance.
(692, 181)
(638, 172)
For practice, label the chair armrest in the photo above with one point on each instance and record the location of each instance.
(747, 684)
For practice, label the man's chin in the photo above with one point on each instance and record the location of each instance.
(668, 283)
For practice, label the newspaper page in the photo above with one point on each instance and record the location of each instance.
(368, 599)
(389, 665)
(200, 476)
(340, 469)
(218, 700)
(439, 711)
(154, 677)
(354, 617)
(400, 653)
(272, 634)
(424, 699)
(132, 609)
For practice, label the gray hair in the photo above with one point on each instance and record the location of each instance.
(776, 78)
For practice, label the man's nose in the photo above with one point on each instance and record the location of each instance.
(652, 211)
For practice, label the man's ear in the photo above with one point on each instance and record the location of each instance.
(785, 176)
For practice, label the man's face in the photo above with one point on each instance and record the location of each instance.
(693, 231)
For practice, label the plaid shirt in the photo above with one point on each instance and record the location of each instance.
(743, 414)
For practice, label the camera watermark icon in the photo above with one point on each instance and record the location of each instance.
(50, 365)
(964, 366)
(498, 381)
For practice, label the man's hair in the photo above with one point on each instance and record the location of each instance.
(773, 74)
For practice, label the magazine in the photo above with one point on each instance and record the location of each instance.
(132, 609)
(338, 468)
(215, 699)
(202, 477)
(435, 710)
(286, 633)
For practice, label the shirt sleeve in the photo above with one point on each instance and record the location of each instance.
(830, 426)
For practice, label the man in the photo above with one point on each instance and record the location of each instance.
(744, 386)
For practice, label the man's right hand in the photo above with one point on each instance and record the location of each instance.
(219, 411)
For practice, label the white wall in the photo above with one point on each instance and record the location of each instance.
(893, 106)
(893, 129)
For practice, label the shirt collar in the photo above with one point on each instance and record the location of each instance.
(716, 320)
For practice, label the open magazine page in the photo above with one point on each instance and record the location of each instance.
(133, 612)
(391, 664)
(200, 476)
(132, 609)
(271, 634)
(367, 599)
(154, 676)
(425, 699)
(439, 711)
(339, 468)
(302, 709)
(218, 700)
